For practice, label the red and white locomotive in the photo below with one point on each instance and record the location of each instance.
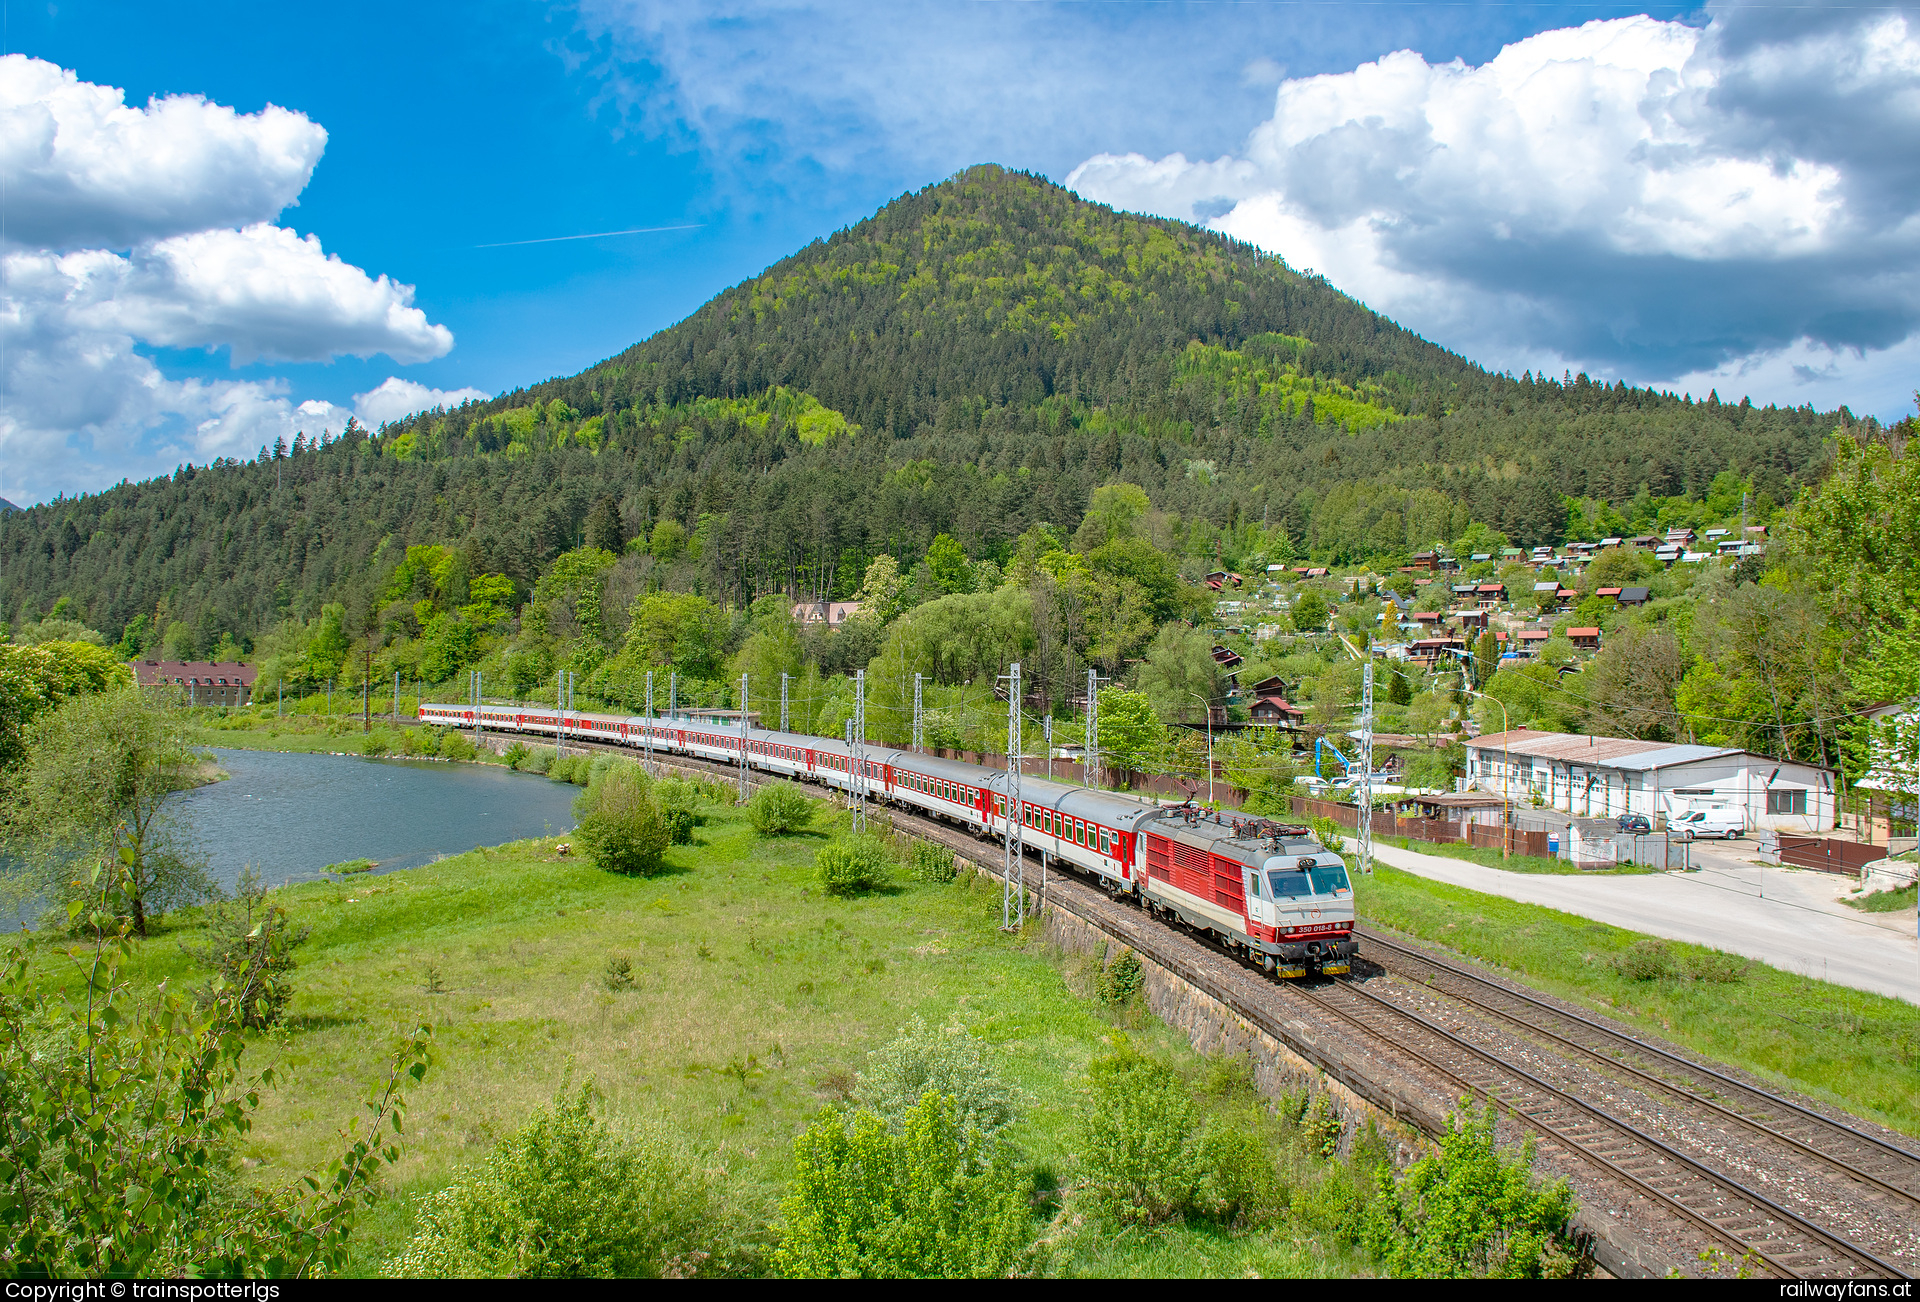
(1268, 891)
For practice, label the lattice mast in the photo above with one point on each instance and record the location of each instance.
(743, 737)
(783, 702)
(1013, 880)
(1091, 764)
(652, 768)
(919, 729)
(1366, 768)
(859, 744)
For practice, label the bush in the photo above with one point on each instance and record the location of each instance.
(929, 1203)
(250, 946)
(950, 1061)
(1472, 1211)
(1645, 960)
(568, 1197)
(1136, 1143)
(374, 743)
(1723, 969)
(538, 759)
(849, 865)
(515, 756)
(928, 862)
(1121, 979)
(618, 974)
(570, 768)
(779, 808)
(622, 830)
(421, 741)
(1328, 833)
(679, 802)
(457, 746)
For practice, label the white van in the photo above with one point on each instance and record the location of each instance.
(1723, 823)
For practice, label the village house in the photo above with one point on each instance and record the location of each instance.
(830, 613)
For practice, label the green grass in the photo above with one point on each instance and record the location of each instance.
(1893, 901)
(757, 999)
(1518, 863)
(1858, 1050)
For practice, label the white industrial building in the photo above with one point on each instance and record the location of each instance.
(1600, 777)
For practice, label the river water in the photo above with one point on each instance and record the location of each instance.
(290, 816)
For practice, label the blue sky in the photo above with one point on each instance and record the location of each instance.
(764, 125)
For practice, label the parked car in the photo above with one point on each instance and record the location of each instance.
(1723, 823)
(1638, 823)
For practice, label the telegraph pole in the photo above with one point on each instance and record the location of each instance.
(783, 702)
(1366, 768)
(743, 738)
(919, 732)
(1013, 879)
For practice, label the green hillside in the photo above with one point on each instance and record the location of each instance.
(972, 360)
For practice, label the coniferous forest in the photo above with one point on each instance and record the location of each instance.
(972, 361)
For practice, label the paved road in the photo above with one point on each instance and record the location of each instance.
(1791, 918)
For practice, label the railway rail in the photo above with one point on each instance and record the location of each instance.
(1685, 1188)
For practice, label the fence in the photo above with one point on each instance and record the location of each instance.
(1432, 830)
(1828, 854)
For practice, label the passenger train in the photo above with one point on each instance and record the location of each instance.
(1269, 892)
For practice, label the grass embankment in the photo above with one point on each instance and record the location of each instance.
(1856, 1050)
(322, 735)
(757, 1000)
(1896, 900)
(1516, 863)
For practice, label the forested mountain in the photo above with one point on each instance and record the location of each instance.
(973, 360)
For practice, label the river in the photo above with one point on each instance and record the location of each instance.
(290, 816)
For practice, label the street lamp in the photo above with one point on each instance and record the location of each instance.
(1506, 775)
(1209, 708)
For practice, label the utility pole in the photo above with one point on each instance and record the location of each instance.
(649, 740)
(366, 690)
(783, 702)
(1366, 769)
(1013, 878)
(280, 704)
(919, 730)
(396, 697)
(673, 693)
(1089, 771)
(479, 698)
(1046, 726)
(743, 738)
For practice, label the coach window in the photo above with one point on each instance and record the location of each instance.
(1106, 841)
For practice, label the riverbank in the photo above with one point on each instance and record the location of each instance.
(756, 1001)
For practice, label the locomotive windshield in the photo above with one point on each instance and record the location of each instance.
(1289, 885)
(1308, 877)
(1331, 879)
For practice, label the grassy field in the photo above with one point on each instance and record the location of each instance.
(1487, 857)
(1897, 900)
(758, 999)
(1857, 1050)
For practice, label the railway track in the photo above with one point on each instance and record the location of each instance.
(1687, 1188)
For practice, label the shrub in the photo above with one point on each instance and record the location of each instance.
(250, 946)
(623, 831)
(538, 759)
(457, 746)
(1472, 1211)
(928, 862)
(563, 768)
(779, 808)
(1121, 979)
(1136, 1142)
(1328, 833)
(679, 802)
(568, 1197)
(1644, 960)
(374, 743)
(929, 1202)
(950, 1061)
(848, 865)
(1716, 967)
(515, 756)
(1238, 1180)
(618, 974)
(421, 741)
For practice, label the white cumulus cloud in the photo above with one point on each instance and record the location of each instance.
(131, 229)
(82, 169)
(1640, 198)
(395, 398)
